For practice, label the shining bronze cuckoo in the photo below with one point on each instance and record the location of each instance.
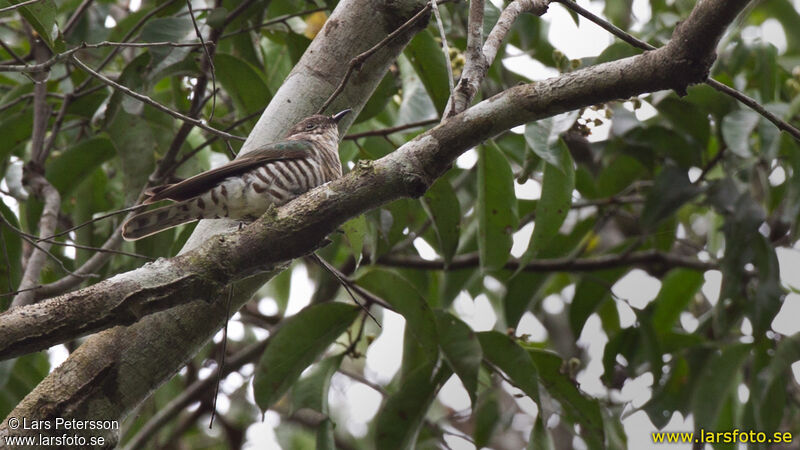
(244, 188)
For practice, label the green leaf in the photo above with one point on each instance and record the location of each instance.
(16, 130)
(487, 417)
(69, 168)
(326, 439)
(242, 82)
(540, 439)
(167, 29)
(416, 104)
(677, 289)
(671, 396)
(427, 57)
(421, 343)
(354, 231)
(768, 292)
(590, 292)
(22, 375)
(619, 12)
(491, 14)
(520, 291)
(543, 136)
(406, 299)
(505, 354)
(300, 340)
(379, 99)
(441, 204)
(136, 140)
(42, 17)
(401, 416)
(461, 349)
(618, 174)
(736, 129)
(311, 391)
(687, 118)
(579, 408)
(10, 270)
(671, 189)
(556, 199)
(496, 208)
(771, 381)
(716, 382)
(134, 77)
(667, 144)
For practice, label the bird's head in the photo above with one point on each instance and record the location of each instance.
(317, 124)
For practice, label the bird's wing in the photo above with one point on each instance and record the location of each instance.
(196, 185)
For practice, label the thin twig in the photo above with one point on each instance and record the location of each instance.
(134, 29)
(222, 355)
(358, 60)
(76, 16)
(210, 141)
(145, 99)
(18, 291)
(99, 249)
(213, 81)
(280, 19)
(445, 46)
(93, 220)
(606, 25)
(472, 260)
(11, 52)
(56, 128)
(345, 284)
(51, 240)
(755, 106)
(390, 130)
(55, 59)
(18, 5)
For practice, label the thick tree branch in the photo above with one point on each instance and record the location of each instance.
(112, 372)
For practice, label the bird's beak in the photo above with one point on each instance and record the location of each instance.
(338, 116)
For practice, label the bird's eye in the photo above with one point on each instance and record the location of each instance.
(311, 126)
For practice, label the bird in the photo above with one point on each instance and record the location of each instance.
(243, 189)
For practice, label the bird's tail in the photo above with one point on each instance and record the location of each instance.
(159, 219)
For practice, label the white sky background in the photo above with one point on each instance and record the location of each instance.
(357, 404)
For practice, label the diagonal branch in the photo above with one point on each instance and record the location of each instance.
(145, 99)
(358, 61)
(725, 89)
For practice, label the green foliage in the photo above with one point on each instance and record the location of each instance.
(301, 339)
